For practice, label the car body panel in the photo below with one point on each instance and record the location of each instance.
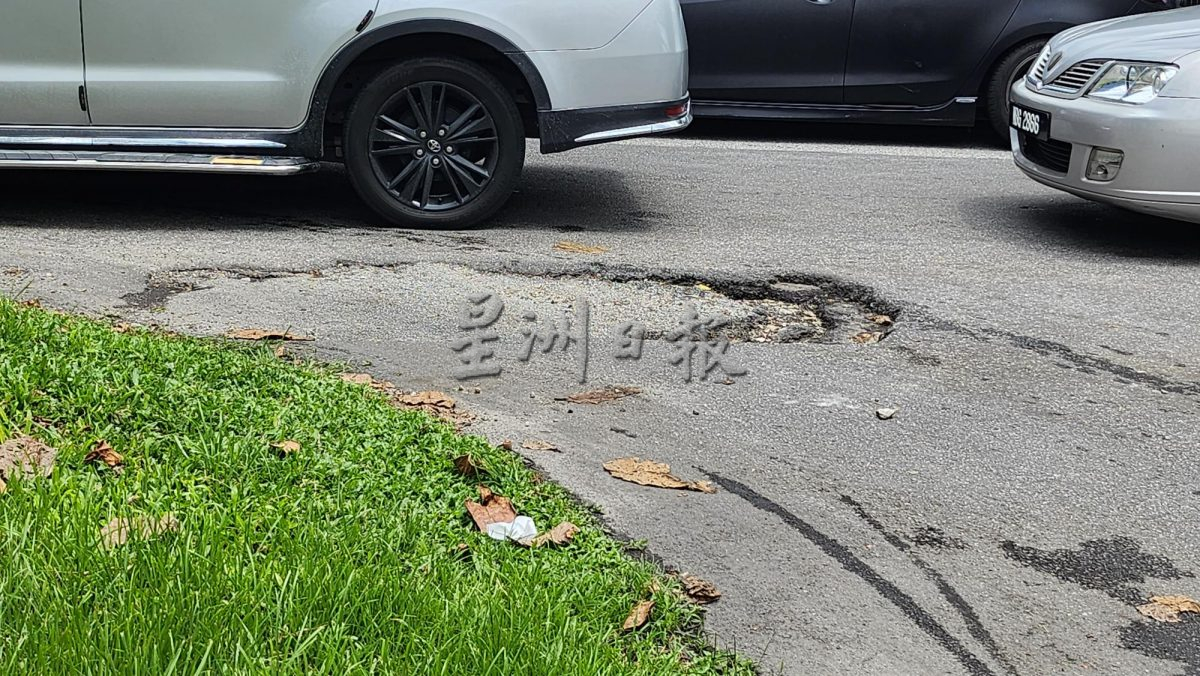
(788, 51)
(41, 63)
(216, 63)
(919, 52)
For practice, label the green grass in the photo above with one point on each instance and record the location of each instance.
(342, 558)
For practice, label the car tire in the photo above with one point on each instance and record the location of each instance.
(1013, 66)
(400, 144)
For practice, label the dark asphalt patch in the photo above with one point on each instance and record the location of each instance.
(1110, 566)
(1179, 642)
(935, 538)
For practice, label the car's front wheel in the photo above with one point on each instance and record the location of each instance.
(434, 142)
(1011, 68)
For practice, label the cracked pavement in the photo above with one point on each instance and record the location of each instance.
(1036, 484)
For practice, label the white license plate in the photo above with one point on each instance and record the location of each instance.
(1031, 122)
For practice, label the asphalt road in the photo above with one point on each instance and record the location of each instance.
(1037, 483)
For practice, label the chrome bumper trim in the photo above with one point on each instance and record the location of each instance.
(641, 130)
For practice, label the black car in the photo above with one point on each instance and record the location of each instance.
(896, 61)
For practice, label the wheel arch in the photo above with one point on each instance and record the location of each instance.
(370, 52)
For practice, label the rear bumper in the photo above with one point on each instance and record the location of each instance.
(566, 129)
(1159, 139)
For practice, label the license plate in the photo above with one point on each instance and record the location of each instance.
(1031, 122)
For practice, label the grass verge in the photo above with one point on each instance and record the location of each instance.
(344, 557)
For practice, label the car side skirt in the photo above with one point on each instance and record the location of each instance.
(960, 112)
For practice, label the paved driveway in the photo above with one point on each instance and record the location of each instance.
(1037, 482)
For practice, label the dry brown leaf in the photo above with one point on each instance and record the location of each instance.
(3, 487)
(358, 378)
(119, 531)
(604, 394)
(867, 337)
(576, 247)
(638, 616)
(103, 453)
(122, 327)
(280, 352)
(32, 303)
(655, 474)
(265, 334)
(466, 466)
(438, 399)
(539, 445)
(287, 448)
(436, 404)
(24, 457)
(882, 320)
(1168, 608)
(490, 509)
(698, 590)
(560, 535)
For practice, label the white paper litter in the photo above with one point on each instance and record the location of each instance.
(521, 528)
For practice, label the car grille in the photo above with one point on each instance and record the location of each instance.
(1052, 155)
(1070, 82)
(1076, 77)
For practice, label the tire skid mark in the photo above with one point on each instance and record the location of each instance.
(849, 561)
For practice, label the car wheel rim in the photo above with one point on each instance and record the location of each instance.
(434, 146)
(1020, 72)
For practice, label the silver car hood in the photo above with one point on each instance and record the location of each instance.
(1162, 36)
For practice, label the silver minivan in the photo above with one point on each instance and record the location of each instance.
(428, 104)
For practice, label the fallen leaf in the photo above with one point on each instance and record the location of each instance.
(436, 404)
(604, 394)
(886, 413)
(3, 486)
(358, 378)
(466, 466)
(656, 474)
(103, 453)
(31, 303)
(427, 399)
(699, 590)
(280, 352)
(703, 287)
(576, 247)
(560, 535)
(24, 457)
(638, 616)
(1168, 608)
(882, 320)
(122, 327)
(539, 445)
(287, 448)
(265, 334)
(490, 509)
(867, 337)
(119, 531)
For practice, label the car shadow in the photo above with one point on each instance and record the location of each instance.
(1080, 225)
(562, 198)
(577, 199)
(979, 136)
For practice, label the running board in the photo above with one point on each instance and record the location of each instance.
(132, 161)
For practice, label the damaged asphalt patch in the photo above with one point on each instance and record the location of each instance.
(773, 310)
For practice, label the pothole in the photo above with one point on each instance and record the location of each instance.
(792, 309)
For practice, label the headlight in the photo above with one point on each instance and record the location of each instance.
(1132, 82)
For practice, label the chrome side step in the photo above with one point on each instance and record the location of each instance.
(135, 161)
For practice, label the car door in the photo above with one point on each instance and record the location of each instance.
(771, 51)
(41, 63)
(211, 63)
(918, 52)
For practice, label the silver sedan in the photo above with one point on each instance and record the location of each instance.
(1110, 112)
